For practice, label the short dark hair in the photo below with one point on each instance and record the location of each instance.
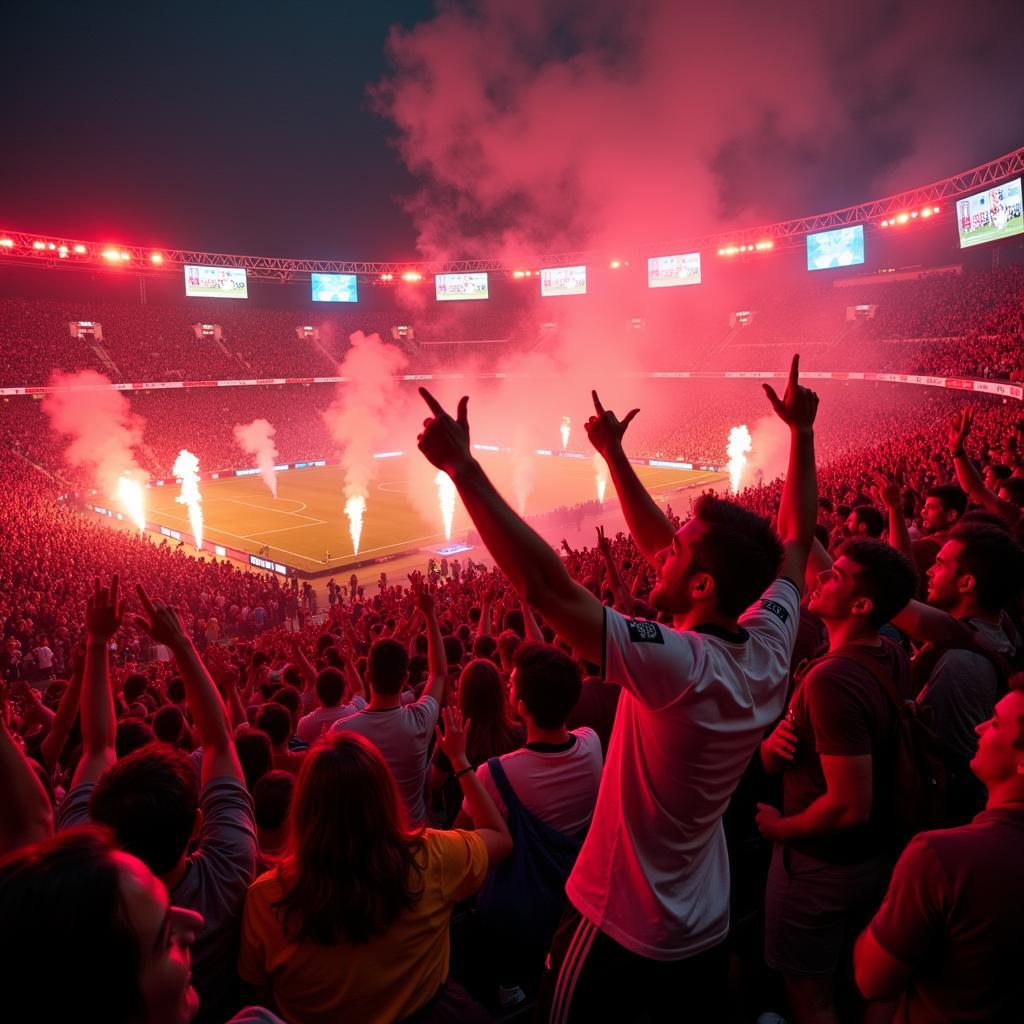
(871, 518)
(514, 620)
(952, 497)
(68, 885)
(169, 724)
(453, 651)
(276, 721)
(175, 689)
(886, 576)
(255, 756)
(485, 647)
(330, 686)
(272, 798)
(388, 666)
(548, 682)
(149, 799)
(1000, 471)
(290, 697)
(739, 550)
(995, 560)
(291, 675)
(135, 684)
(132, 734)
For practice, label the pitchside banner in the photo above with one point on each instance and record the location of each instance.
(453, 287)
(215, 283)
(990, 215)
(670, 271)
(563, 281)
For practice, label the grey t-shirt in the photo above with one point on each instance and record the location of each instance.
(403, 736)
(217, 874)
(963, 688)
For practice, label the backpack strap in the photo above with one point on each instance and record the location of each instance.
(508, 794)
(862, 656)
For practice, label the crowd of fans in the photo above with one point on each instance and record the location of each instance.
(480, 793)
(968, 323)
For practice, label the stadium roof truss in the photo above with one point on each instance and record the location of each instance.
(27, 249)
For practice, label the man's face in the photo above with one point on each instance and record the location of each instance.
(835, 591)
(852, 524)
(1000, 753)
(672, 592)
(933, 515)
(944, 576)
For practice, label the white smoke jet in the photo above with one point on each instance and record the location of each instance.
(446, 499)
(186, 469)
(257, 439)
(355, 508)
(564, 431)
(131, 496)
(103, 433)
(600, 477)
(358, 418)
(737, 449)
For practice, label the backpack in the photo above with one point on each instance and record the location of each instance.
(1005, 665)
(522, 899)
(918, 800)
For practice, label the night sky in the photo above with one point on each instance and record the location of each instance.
(496, 127)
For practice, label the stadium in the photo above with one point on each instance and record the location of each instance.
(612, 607)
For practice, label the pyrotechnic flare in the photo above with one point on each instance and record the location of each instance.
(257, 439)
(564, 430)
(130, 494)
(358, 417)
(354, 509)
(446, 498)
(186, 469)
(737, 449)
(600, 477)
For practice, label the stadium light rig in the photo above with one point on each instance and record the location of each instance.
(899, 219)
(412, 276)
(156, 258)
(519, 275)
(387, 277)
(735, 250)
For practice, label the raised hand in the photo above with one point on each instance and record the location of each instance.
(445, 441)
(888, 491)
(162, 622)
(960, 428)
(453, 740)
(799, 405)
(104, 610)
(605, 429)
(424, 600)
(604, 545)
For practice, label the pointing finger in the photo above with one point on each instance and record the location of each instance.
(794, 371)
(463, 411)
(435, 405)
(597, 403)
(629, 418)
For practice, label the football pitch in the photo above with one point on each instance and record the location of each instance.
(305, 525)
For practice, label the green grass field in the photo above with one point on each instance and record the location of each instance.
(306, 520)
(990, 233)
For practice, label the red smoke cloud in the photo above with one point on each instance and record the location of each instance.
(543, 125)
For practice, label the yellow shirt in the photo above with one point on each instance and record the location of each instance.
(386, 979)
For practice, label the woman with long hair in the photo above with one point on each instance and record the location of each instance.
(493, 730)
(353, 923)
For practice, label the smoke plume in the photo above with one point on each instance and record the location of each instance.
(358, 417)
(257, 439)
(102, 430)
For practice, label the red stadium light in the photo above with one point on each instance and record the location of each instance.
(156, 257)
(80, 249)
(935, 209)
(615, 264)
(903, 218)
(62, 251)
(412, 276)
(38, 245)
(387, 277)
(7, 243)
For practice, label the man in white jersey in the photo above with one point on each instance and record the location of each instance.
(649, 894)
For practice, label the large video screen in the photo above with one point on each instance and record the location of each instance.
(335, 288)
(451, 287)
(670, 271)
(840, 248)
(990, 215)
(215, 283)
(563, 281)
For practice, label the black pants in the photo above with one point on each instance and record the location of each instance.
(591, 977)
